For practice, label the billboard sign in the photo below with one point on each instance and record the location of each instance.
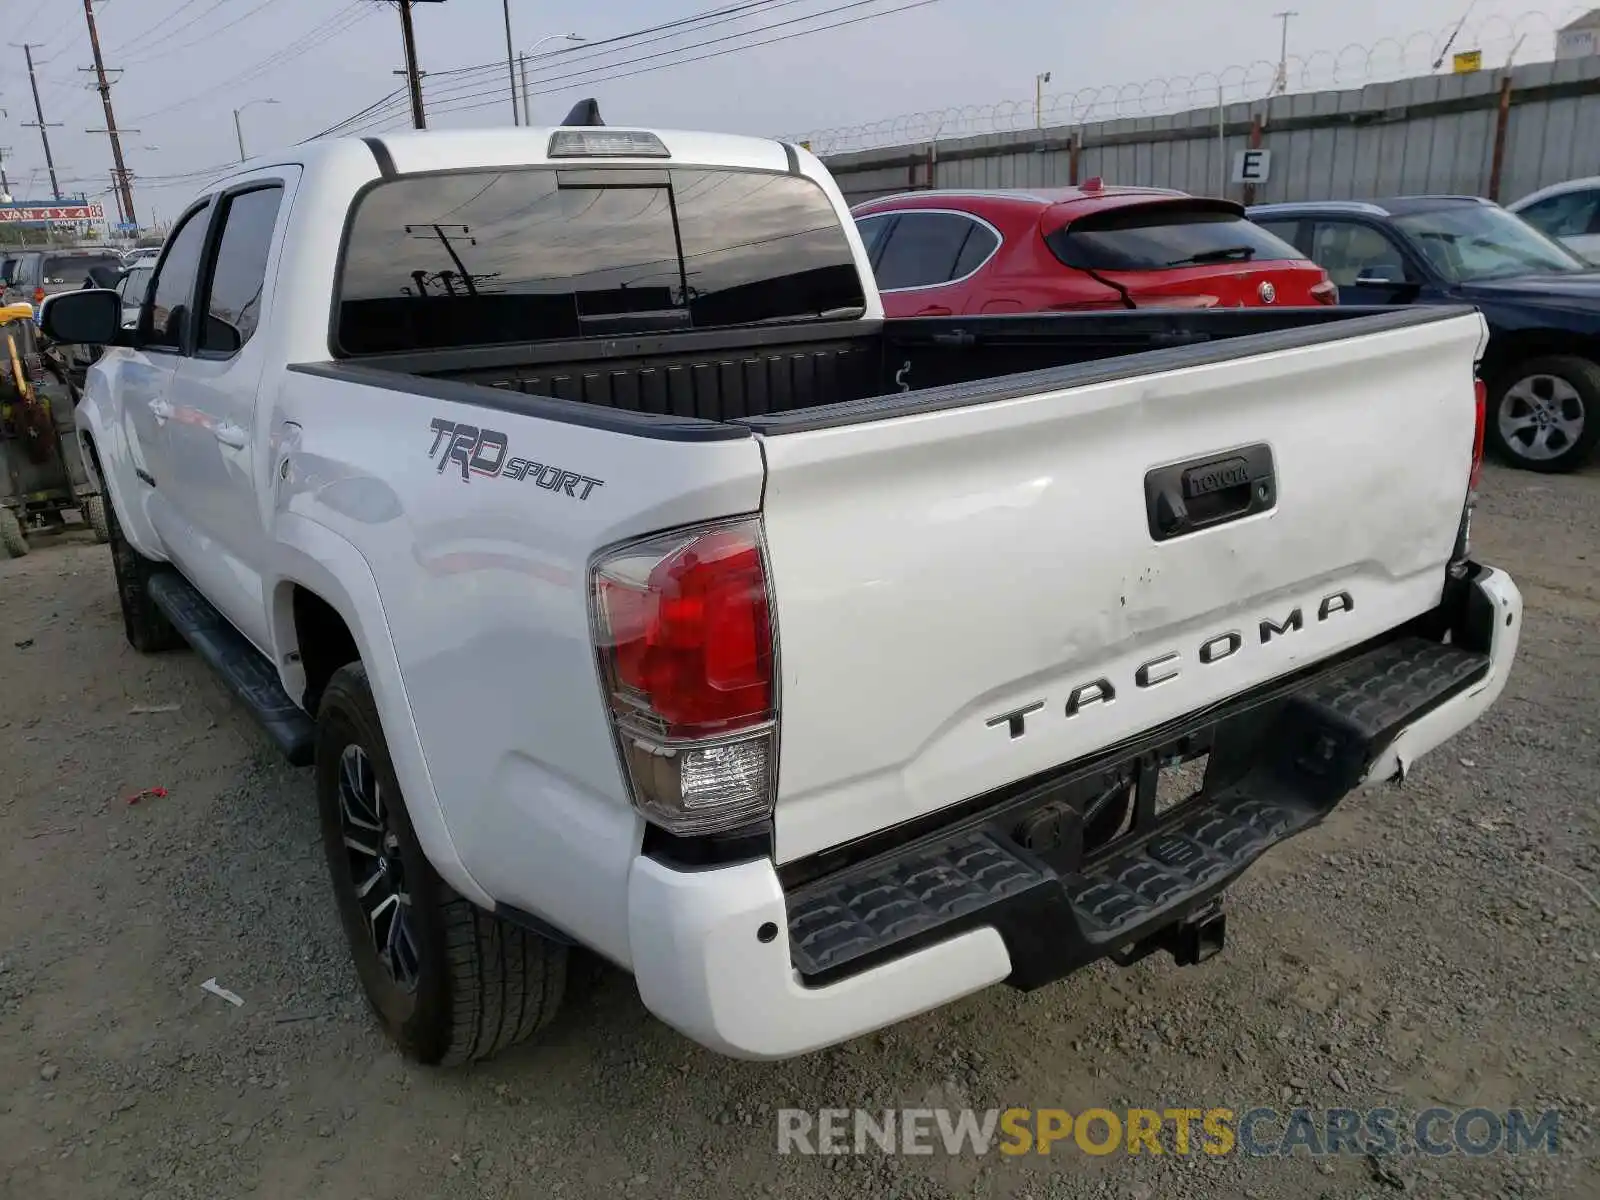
(15, 213)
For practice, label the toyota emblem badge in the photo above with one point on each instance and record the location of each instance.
(1268, 293)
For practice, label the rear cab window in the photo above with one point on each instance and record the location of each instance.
(1166, 235)
(73, 269)
(544, 254)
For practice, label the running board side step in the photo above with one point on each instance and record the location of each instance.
(246, 671)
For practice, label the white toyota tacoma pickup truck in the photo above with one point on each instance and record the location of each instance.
(564, 500)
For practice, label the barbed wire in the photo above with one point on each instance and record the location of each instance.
(1503, 41)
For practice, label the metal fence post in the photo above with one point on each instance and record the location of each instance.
(1502, 119)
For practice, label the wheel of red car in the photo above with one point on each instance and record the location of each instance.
(1544, 413)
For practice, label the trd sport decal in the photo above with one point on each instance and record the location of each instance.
(483, 452)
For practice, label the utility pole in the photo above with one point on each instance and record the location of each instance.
(5, 184)
(1280, 85)
(123, 181)
(41, 125)
(468, 280)
(413, 75)
(511, 61)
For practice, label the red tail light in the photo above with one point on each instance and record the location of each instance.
(685, 634)
(38, 295)
(1326, 292)
(1482, 395)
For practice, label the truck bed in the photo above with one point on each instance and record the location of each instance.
(781, 379)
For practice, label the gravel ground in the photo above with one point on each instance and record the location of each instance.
(1431, 944)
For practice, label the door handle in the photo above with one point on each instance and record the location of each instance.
(934, 310)
(161, 409)
(231, 435)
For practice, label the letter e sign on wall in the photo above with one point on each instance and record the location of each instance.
(1252, 166)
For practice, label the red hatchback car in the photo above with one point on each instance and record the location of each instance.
(948, 253)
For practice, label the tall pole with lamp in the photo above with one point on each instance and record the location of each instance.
(238, 127)
(532, 52)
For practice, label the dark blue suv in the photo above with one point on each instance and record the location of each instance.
(1541, 302)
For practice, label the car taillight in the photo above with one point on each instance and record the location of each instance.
(1326, 292)
(684, 629)
(38, 295)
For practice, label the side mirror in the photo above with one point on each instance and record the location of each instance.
(87, 318)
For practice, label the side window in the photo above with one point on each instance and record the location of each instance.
(922, 250)
(233, 303)
(872, 230)
(1288, 231)
(975, 251)
(1571, 215)
(1349, 251)
(173, 289)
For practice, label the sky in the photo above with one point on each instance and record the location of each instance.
(185, 65)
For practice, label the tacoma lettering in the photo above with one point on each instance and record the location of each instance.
(1164, 668)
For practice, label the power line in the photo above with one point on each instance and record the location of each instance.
(178, 47)
(597, 74)
(704, 19)
(604, 78)
(585, 54)
(151, 31)
(350, 15)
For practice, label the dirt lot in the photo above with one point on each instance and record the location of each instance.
(1434, 943)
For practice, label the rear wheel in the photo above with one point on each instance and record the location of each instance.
(449, 982)
(1544, 413)
(146, 626)
(12, 539)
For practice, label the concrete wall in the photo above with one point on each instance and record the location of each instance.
(1432, 134)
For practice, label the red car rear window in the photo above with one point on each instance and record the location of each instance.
(1161, 237)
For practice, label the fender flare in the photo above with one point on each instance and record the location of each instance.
(314, 557)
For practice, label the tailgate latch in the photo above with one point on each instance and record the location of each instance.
(1202, 493)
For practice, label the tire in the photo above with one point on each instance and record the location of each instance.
(1544, 413)
(12, 539)
(453, 984)
(146, 626)
(94, 511)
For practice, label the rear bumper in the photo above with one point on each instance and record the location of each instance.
(730, 958)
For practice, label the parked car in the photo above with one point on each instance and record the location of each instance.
(820, 668)
(133, 287)
(1542, 303)
(937, 253)
(144, 254)
(32, 275)
(1568, 212)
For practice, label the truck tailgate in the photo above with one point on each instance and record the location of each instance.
(971, 595)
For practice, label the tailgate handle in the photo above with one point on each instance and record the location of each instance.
(1206, 492)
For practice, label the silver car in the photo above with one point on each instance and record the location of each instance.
(32, 275)
(1568, 212)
